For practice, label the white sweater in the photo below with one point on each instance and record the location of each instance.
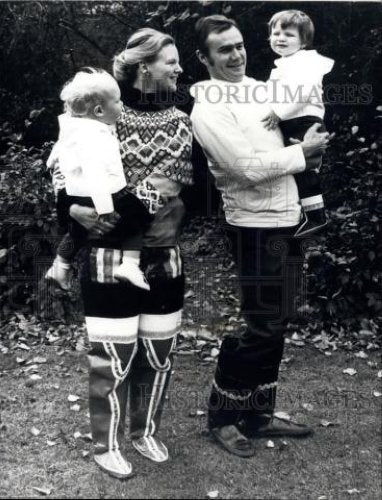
(251, 166)
(90, 159)
(295, 85)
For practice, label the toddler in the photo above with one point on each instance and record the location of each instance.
(296, 88)
(89, 157)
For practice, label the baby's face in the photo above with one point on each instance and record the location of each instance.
(112, 107)
(285, 41)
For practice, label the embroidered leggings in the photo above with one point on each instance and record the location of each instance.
(132, 334)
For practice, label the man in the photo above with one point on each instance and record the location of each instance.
(254, 173)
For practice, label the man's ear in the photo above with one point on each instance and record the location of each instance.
(98, 111)
(202, 58)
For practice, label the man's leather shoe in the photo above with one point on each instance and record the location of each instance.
(258, 426)
(233, 441)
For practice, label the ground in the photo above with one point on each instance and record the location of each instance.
(340, 460)
(45, 447)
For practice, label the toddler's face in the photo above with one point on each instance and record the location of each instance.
(112, 107)
(285, 41)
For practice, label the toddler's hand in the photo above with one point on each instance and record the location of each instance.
(271, 121)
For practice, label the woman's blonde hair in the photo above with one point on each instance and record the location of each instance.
(143, 46)
(86, 90)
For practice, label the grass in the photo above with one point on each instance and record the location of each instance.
(336, 459)
(340, 461)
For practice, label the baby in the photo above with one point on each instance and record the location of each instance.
(89, 157)
(296, 89)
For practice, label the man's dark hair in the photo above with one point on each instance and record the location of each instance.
(211, 24)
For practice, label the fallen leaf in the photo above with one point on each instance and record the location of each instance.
(349, 371)
(188, 334)
(308, 406)
(327, 423)
(72, 398)
(282, 415)
(35, 432)
(205, 334)
(361, 355)
(35, 377)
(270, 444)
(24, 347)
(75, 407)
(77, 435)
(44, 491)
(80, 345)
(377, 394)
(213, 494)
(31, 368)
(39, 360)
(287, 360)
(51, 443)
(298, 343)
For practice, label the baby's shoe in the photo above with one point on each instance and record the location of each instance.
(129, 271)
(314, 220)
(60, 272)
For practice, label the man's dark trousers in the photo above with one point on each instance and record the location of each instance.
(270, 264)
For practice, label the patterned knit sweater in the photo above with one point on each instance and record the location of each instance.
(154, 136)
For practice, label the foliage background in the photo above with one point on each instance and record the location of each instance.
(44, 43)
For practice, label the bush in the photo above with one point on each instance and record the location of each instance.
(27, 225)
(344, 269)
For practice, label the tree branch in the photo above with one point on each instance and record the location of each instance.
(70, 27)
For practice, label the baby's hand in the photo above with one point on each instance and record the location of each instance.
(271, 121)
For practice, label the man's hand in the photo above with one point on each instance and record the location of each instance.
(314, 142)
(271, 121)
(88, 217)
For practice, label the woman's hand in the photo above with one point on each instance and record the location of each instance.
(88, 218)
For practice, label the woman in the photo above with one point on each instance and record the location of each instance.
(132, 332)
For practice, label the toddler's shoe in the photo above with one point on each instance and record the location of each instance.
(129, 271)
(314, 220)
(114, 464)
(60, 272)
